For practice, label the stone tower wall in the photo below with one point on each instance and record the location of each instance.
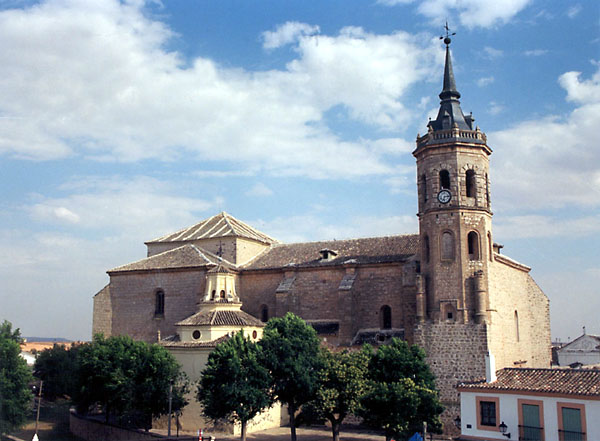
(455, 353)
(512, 289)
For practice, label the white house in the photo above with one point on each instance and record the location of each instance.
(532, 404)
(584, 350)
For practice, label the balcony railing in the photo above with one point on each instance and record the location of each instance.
(531, 433)
(569, 435)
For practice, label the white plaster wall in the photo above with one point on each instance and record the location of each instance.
(509, 413)
(567, 358)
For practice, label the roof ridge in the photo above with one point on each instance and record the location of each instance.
(346, 240)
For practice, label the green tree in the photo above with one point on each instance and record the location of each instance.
(401, 392)
(57, 367)
(234, 385)
(128, 379)
(15, 376)
(341, 384)
(290, 350)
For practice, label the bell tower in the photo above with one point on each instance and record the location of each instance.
(455, 217)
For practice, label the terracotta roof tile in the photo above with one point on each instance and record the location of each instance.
(221, 318)
(186, 256)
(220, 225)
(354, 251)
(553, 381)
(176, 343)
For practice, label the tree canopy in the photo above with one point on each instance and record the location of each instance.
(400, 392)
(15, 376)
(234, 385)
(57, 367)
(340, 386)
(290, 351)
(128, 379)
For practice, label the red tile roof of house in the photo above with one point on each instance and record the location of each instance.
(582, 382)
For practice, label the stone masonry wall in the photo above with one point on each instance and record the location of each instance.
(133, 301)
(315, 295)
(513, 290)
(102, 318)
(455, 353)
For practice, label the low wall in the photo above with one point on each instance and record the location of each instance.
(90, 429)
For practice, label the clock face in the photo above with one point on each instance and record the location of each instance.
(444, 196)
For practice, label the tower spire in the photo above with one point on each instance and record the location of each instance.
(449, 90)
(450, 114)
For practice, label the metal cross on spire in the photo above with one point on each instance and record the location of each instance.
(447, 39)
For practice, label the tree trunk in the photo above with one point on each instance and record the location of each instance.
(292, 413)
(335, 430)
(244, 428)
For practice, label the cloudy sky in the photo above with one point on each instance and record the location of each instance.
(121, 121)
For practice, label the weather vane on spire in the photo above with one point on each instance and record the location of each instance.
(447, 39)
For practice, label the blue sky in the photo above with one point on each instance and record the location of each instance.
(123, 121)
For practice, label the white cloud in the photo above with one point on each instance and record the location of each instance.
(535, 52)
(312, 227)
(259, 190)
(552, 162)
(495, 108)
(94, 80)
(574, 11)
(140, 206)
(471, 13)
(287, 33)
(528, 226)
(482, 82)
(492, 53)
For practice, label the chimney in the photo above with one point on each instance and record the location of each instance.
(490, 368)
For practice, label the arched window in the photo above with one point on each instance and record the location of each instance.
(424, 187)
(517, 336)
(213, 295)
(159, 306)
(264, 313)
(444, 179)
(386, 317)
(470, 181)
(447, 246)
(222, 294)
(473, 244)
(426, 248)
(490, 246)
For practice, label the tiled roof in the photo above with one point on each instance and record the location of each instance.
(186, 256)
(552, 381)
(221, 318)
(220, 225)
(174, 342)
(350, 251)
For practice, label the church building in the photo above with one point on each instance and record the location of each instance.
(446, 288)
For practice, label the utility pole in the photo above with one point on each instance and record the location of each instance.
(170, 406)
(37, 418)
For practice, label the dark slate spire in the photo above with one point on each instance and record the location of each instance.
(450, 114)
(449, 90)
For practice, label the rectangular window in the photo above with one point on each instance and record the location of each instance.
(571, 422)
(488, 413)
(531, 420)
